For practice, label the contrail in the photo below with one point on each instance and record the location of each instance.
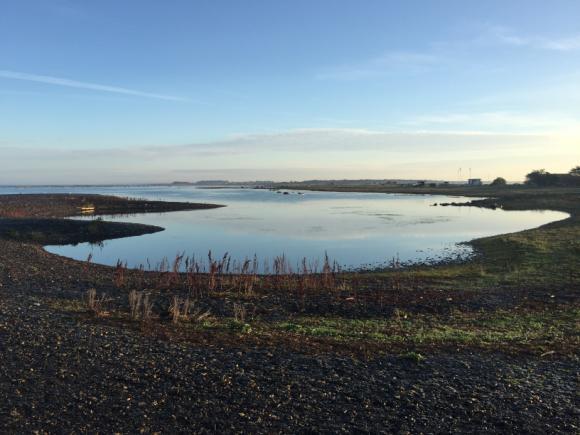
(83, 85)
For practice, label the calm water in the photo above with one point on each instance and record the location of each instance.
(355, 229)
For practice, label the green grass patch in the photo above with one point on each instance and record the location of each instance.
(481, 329)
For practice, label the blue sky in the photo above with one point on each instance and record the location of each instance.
(145, 91)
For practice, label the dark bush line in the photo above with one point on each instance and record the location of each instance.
(541, 178)
(65, 232)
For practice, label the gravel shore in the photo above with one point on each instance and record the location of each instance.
(59, 374)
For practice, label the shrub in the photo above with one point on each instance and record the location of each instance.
(135, 299)
(95, 304)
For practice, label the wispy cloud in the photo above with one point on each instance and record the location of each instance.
(297, 141)
(58, 81)
(439, 53)
(293, 154)
(67, 9)
(381, 65)
(507, 36)
(336, 141)
(499, 121)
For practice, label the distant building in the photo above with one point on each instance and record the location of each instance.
(474, 182)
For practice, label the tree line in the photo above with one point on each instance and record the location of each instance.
(542, 178)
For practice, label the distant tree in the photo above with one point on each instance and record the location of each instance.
(539, 178)
(575, 171)
(499, 181)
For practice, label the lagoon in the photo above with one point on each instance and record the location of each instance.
(357, 230)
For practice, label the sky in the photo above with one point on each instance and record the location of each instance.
(144, 91)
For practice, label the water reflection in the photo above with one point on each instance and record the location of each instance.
(355, 229)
